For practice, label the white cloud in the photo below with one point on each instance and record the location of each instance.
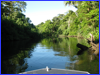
(38, 17)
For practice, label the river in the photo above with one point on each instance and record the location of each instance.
(22, 56)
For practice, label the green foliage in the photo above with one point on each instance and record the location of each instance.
(9, 7)
(15, 26)
(80, 23)
(66, 32)
(96, 34)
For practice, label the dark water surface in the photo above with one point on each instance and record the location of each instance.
(21, 56)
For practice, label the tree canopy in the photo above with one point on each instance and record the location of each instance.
(80, 23)
(15, 25)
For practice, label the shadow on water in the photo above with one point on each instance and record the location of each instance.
(82, 49)
(13, 54)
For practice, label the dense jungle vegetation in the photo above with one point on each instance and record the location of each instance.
(16, 26)
(80, 23)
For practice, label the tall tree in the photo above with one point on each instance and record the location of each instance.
(8, 7)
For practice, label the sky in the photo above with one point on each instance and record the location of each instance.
(40, 11)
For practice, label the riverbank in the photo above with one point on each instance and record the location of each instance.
(70, 36)
(94, 45)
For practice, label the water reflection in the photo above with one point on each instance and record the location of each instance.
(52, 52)
(13, 54)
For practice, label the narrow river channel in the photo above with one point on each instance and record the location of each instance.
(21, 56)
